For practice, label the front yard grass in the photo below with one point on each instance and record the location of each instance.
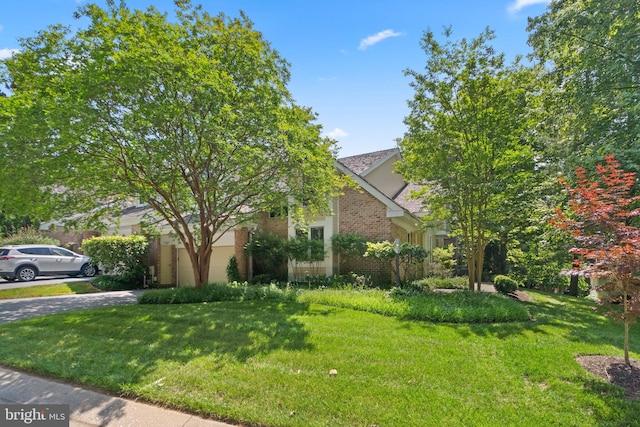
(267, 362)
(49, 290)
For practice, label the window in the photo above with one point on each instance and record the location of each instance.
(62, 252)
(316, 233)
(35, 251)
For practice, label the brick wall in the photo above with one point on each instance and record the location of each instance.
(360, 212)
(275, 225)
(69, 239)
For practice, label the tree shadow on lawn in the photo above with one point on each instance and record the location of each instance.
(116, 346)
(575, 319)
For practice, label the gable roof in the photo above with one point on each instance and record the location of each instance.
(362, 163)
(403, 198)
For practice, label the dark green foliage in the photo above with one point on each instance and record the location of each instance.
(233, 274)
(12, 224)
(216, 292)
(269, 253)
(117, 283)
(505, 285)
(349, 245)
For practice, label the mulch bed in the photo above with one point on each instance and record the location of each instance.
(615, 371)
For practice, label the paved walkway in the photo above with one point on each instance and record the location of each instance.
(88, 408)
(24, 308)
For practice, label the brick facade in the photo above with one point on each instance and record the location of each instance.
(360, 212)
(68, 239)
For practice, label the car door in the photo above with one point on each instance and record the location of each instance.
(66, 261)
(41, 257)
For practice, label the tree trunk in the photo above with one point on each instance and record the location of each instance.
(627, 323)
(471, 267)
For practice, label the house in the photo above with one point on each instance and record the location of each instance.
(380, 208)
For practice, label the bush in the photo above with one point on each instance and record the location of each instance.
(505, 285)
(349, 245)
(411, 257)
(233, 274)
(216, 292)
(428, 284)
(269, 252)
(28, 236)
(120, 257)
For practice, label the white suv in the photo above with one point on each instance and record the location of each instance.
(25, 262)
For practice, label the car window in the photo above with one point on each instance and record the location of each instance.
(4, 252)
(62, 252)
(35, 251)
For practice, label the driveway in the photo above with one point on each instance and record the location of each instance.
(24, 308)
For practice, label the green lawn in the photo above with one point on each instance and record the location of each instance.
(268, 363)
(49, 290)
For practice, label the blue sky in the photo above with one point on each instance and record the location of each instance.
(347, 57)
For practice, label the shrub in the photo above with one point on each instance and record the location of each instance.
(428, 284)
(411, 257)
(216, 292)
(443, 263)
(269, 253)
(349, 245)
(233, 274)
(119, 256)
(302, 249)
(28, 236)
(505, 285)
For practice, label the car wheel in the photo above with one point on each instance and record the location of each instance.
(89, 270)
(26, 274)
(9, 279)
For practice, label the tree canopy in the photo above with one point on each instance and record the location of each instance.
(191, 116)
(467, 138)
(590, 50)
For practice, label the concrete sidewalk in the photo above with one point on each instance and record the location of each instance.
(89, 408)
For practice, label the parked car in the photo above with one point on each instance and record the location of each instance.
(26, 262)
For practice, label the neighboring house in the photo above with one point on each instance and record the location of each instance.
(379, 209)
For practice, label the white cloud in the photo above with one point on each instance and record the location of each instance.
(518, 5)
(7, 53)
(337, 133)
(377, 38)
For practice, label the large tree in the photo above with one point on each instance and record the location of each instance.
(599, 221)
(191, 115)
(467, 139)
(591, 52)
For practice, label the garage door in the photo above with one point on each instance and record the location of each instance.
(217, 268)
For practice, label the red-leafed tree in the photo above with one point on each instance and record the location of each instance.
(600, 222)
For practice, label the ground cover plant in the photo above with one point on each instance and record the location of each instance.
(267, 362)
(457, 307)
(49, 290)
